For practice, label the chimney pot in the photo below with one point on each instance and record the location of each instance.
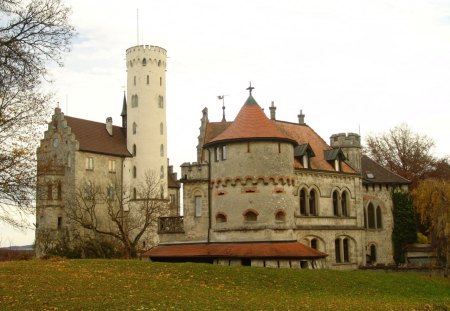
(109, 126)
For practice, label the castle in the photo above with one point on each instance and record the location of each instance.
(263, 192)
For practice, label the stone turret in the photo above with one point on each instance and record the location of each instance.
(146, 113)
(351, 146)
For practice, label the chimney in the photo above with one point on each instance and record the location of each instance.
(109, 126)
(301, 118)
(272, 109)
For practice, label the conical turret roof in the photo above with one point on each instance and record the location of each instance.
(124, 106)
(251, 124)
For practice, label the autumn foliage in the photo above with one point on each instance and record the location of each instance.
(431, 199)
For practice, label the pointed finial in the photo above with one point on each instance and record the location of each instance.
(222, 97)
(250, 88)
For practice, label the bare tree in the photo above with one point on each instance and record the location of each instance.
(118, 212)
(403, 152)
(31, 36)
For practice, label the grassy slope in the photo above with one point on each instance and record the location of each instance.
(141, 285)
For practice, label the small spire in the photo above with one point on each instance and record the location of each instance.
(222, 97)
(124, 111)
(250, 88)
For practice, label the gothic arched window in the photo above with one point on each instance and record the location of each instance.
(379, 220)
(312, 202)
(335, 203)
(344, 200)
(303, 202)
(371, 216)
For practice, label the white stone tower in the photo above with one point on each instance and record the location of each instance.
(146, 114)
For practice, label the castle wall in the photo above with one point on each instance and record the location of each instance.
(381, 237)
(324, 227)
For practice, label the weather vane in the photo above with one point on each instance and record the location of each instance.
(250, 88)
(222, 97)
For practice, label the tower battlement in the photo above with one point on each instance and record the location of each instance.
(145, 48)
(345, 140)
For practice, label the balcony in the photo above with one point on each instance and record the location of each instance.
(171, 225)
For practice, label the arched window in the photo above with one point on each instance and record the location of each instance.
(365, 218)
(144, 62)
(250, 216)
(373, 253)
(312, 202)
(161, 128)
(134, 194)
(49, 191)
(160, 81)
(136, 101)
(134, 172)
(344, 201)
(314, 243)
(335, 203)
(162, 171)
(337, 250)
(280, 216)
(346, 250)
(59, 190)
(303, 202)
(161, 150)
(148, 79)
(134, 128)
(371, 216)
(134, 80)
(220, 218)
(134, 150)
(198, 205)
(379, 220)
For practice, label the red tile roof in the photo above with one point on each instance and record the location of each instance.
(250, 123)
(235, 250)
(301, 133)
(93, 137)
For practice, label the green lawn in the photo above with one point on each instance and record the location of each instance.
(142, 285)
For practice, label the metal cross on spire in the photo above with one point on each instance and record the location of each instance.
(250, 88)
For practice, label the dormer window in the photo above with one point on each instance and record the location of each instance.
(335, 157)
(305, 161)
(337, 165)
(304, 153)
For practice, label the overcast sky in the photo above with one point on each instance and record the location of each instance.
(351, 66)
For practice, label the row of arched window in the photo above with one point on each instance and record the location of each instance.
(161, 150)
(161, 173)
(251, 216)
(340, 203)
(373, 217)
(308, 202)
(135, 101)
(161, 128)
(309, 206)
(144, 62)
